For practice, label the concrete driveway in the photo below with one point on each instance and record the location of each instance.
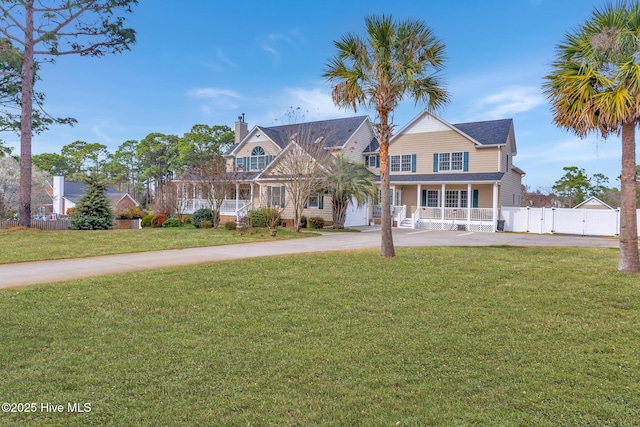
(58, 270)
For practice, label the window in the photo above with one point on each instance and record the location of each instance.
(451, 161)
(433, 200)
(457, 161)
(258, 159)
(394, 163)
(455, 199)
(403, 163)
(444, 161)
(239, 163)
(275, 196)
(374, 162)
(314, 201)
(406, 163)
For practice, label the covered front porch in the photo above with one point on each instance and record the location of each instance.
(471, 206)
(237, 203)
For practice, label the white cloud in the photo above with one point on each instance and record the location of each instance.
(213, 93)
(506, 103)
(272, 42)
(223, 58)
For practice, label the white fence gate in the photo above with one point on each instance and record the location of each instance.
(586, 222)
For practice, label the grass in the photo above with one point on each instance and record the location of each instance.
(437, 336)
(19, 245)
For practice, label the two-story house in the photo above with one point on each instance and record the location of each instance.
(443, 176)
(450, 177)
(252, 160)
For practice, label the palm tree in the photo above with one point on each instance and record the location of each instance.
(348, 180)
(392, 61)
(594, 86)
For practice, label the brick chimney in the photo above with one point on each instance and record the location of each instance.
(242, 129)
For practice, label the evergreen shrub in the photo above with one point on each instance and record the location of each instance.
(202, 215)
(316, 222)
(172, 222)
(146, 220)
(93, 210)
(260, 217)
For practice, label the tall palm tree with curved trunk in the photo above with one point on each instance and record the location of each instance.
(393, 60)
(348, 180)
(594, 86)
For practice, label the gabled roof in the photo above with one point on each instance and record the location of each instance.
(592, 201)
(332, 133)
(490, 132)
(319, 156)
(73, 190)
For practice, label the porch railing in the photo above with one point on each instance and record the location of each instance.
(401, 213)
(477, 214)
(377, 210)
(228, 206)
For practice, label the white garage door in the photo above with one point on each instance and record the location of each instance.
(357, 216)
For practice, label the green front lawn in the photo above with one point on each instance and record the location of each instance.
(436, 336)
(20, 245)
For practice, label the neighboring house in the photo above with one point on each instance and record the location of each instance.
(65, 195)
(251, 162)
(593, 203)
(443, 176)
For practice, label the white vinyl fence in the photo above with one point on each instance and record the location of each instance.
(586, 222)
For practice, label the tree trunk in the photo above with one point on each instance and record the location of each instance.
(629, 261)
(24, 208)
(339, 212)
(384, 133)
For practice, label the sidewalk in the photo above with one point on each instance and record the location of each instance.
(58, 270)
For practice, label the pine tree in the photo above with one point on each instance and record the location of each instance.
(93, 211)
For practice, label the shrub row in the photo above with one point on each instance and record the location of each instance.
(261, 217)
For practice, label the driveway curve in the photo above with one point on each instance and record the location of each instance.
(29, 273)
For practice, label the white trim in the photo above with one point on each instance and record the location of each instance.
(444, 122)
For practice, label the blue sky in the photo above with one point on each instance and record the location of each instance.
(203, 61)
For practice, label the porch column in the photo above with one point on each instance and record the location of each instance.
(442, 203)
(469, 203)
(494, 215)
(418, 201)
(237, 195)
(251, 195)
